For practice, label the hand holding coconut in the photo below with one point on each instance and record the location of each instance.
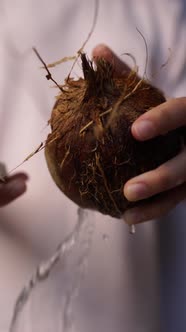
(169, 179)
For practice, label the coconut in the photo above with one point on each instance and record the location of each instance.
(90, 151)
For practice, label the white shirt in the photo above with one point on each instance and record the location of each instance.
(121, 290)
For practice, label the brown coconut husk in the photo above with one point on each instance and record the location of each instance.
(90, 151)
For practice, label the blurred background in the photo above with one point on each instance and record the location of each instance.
(32, 226)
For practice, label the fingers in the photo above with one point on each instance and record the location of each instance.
(12, 188)
(102, 51)
(167, 176)
(18, 176)
(157, 207)
(161, 119)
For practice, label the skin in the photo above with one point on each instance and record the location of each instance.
(168, 180)
(13, 187)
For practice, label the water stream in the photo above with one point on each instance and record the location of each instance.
(69, 264)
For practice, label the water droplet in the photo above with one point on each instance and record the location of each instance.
(132, 229)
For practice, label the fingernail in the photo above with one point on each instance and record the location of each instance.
(16, 187)
(136, 191)
(133, 216)
(144, 129)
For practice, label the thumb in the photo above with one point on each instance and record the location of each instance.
(103, 51)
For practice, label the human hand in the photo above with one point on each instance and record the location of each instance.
(102, 51)
(12, 187)
(168, 180)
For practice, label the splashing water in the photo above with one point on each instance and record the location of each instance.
(71, 257)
